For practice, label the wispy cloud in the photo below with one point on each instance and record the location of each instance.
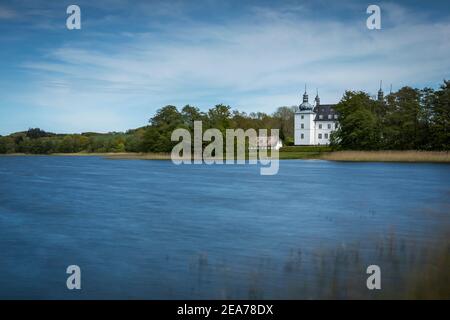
(259, 54)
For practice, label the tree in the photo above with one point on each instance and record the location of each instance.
(220, 117)
(358, 125)
(38, 133)
(134, 140)
(74, 143)
(157, 137)
(427, 102)
(440, 121)
(285, 117)
(402, 125)
(191, 114)
(7, 145)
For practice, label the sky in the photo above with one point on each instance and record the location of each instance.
(131, 58)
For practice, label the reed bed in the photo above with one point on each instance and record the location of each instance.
(388, 156)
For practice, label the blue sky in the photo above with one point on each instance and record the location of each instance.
(132, 57)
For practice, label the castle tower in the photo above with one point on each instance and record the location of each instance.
(304, 123)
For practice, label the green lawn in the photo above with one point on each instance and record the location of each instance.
(300, 155)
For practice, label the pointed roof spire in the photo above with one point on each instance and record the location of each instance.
(305, 95)
(317, 99)
(390, 90)
(380, 92)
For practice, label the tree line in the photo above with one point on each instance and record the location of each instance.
(409, 119)
(155, 137)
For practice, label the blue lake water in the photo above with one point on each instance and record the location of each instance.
(154, 230)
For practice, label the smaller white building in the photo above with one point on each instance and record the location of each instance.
(314, 124)
(269, 142)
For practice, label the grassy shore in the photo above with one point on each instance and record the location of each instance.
(387, 156)
(292, 153)
(138, 156)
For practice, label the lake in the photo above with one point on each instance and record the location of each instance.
(154, 230)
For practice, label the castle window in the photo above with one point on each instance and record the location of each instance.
(320, 136)
(320, 116)
(326, 135)
(329, 116)
(329, 126)
(302, 126)
(302, 136)
(302, 117)
(320, 126)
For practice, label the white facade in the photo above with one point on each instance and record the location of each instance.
(304, 128)
(314, 124)
(323, 131)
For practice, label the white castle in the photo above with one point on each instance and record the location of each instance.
(314, 124)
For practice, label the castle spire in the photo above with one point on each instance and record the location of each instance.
(305, 95)
(380, 92)
(317, 99)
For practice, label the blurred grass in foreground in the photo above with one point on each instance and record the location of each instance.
(410, 269)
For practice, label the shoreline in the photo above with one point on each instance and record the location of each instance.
(407, 156)
(113, 155)
(342, 156)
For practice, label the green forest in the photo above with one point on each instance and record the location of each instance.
(409, 119)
